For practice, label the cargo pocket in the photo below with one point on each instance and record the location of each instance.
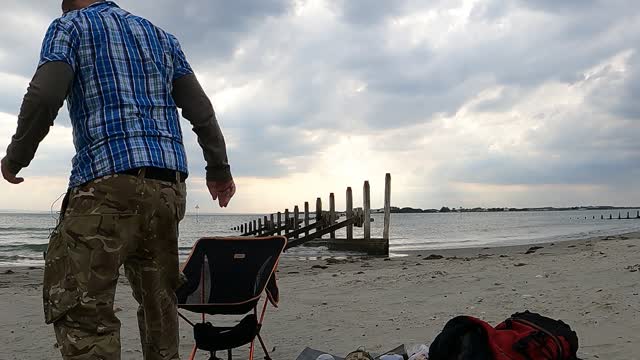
(60, 288)
(181, 200)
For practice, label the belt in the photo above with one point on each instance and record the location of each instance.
(158, 174)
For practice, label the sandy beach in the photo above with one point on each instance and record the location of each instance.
(340, 305)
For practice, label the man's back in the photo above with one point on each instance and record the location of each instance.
(120, 102)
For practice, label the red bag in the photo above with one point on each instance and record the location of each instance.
(524, 336)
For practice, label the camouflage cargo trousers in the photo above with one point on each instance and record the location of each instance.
(109, 222)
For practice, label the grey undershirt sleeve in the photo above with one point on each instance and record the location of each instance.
(44, 98)
(196, 107)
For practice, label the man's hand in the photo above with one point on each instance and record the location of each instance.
(222, 191)
(8, 175)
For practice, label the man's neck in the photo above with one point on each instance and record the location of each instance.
(80, 4)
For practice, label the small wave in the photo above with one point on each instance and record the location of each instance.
(22, 247)
(19, 257)
(24, 229)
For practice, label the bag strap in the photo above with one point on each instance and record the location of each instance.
(546, 332)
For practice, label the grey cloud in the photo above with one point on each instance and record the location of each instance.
(369, 12)
(564, 6)
(208, 30)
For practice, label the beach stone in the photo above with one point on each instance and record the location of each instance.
(533, 249)
(319, 267)
(519, 264)
(434, 257)
(9, 272)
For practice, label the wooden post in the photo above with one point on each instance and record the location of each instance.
(250, 227)
(349, 213)
(271, 224)
(255, 226)
(296, 216)
(610, 216)
(286, 221)
(279, 222)
(266, 223)
(332, 214)
(638, 214)
(306, 217)
(259, 227)
(366, 204)
(601, 217)
(619, 216)
(242, 228)
(318, 214)
(627, 215)
(387, 207)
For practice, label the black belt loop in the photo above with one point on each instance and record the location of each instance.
(167, 175)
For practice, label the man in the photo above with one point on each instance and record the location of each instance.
(123, 79)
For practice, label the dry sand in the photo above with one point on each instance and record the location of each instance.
(378, 303)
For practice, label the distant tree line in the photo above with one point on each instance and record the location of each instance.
(445, 209)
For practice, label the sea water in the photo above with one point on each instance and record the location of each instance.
(24, 237)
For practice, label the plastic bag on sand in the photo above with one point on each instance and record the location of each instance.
(419, 352)
(325, 357)
(391, 357)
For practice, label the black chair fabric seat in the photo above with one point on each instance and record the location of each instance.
(225, 309)
(214, 338)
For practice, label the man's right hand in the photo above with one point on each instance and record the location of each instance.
(7, 174)
(222, 191)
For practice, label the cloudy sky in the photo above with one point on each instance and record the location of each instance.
(466, 103)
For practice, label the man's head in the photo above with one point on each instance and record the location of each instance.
(70, 5)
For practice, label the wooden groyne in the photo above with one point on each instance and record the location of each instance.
(620, 216)
(319, 228)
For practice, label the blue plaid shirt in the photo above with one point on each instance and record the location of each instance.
(120, 103)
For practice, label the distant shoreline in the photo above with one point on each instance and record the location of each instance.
(394, 210)
(444, 209)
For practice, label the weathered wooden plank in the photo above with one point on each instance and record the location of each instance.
(318, 214)
(279, 226)
(349, 213)
(296, 216)
(286, 221)
(306, 216)
(332, 213)
(366, 205)
(319, 233)
(387, 207)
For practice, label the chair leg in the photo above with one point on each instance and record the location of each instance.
(251, 349)
(264, 348)
(193, 353)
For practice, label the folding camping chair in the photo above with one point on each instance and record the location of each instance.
(227, 276)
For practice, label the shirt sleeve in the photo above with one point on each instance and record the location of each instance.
(59, 45)
(181, 66)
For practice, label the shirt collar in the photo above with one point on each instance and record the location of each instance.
(103, 2)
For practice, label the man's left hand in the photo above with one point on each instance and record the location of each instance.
(8, 175)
